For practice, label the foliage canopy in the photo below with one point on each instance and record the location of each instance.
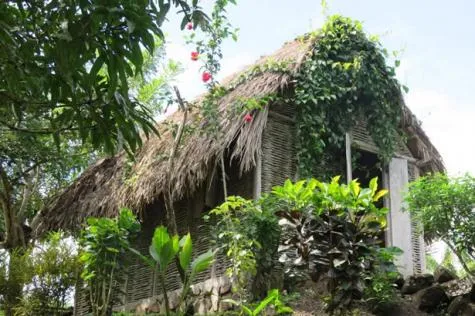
(445, 207)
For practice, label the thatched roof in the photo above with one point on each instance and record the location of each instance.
(114, 182)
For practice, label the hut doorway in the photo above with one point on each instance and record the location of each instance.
(366, 166)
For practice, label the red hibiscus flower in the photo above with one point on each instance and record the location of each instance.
(206, 76)
(194, 55)
(189, 26)
(248, 118)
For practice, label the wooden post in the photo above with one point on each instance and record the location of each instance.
(349, 171)
(258, 176)
(400, 221)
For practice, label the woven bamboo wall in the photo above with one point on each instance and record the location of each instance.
(360, 134)
(81, 300)
(418, 246)
(279, 160)
(138, 284)
(278, 148)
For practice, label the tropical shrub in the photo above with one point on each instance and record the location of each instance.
(248, 233)
(272, 299)
(103, 244)
(381, 285)
(165, 249)
(445, 207)
(331, 231)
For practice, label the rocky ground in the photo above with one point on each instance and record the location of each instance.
(425, 294)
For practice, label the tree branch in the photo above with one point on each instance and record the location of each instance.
(168, 196)
(461, 260)
(46, 131)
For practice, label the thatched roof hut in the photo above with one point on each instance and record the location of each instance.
(258, 155)
(104, 186)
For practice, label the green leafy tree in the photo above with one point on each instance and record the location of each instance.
(64, 72)
(445, 207)
(74, 83)
(53, 270)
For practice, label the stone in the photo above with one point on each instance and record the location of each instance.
(399, 281)
(442, 275)
(148, 306)
(468, 310)
(215, 299)
(173, 299)
(471, 294)
(202, 306)
(140, 308)
(390, 309)
(196, 289)
(398, 307)
(225, 288)
(154, 308)
(457, 287)
(430, 298)
(416, 283)
(457, 305)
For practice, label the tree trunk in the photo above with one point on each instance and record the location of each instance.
(461, 260)
(14, 242)
(15, 283)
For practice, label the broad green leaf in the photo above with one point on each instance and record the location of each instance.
(373, 185)
(202, 262)
(271, 296)
(284, 310)
(355, 188)
(186, 251)
(160, 238)
(163, 248)
(114, 250)
(380, 194)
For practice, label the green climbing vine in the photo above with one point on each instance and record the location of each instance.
(345, 78)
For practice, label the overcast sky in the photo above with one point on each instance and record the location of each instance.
(437, 39)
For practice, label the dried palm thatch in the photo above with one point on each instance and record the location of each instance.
(114, 182)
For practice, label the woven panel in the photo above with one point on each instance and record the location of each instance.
(360, 133)
(81, 300)
(418, 249)
(201, 235)
(284, 109)
(139, 281)
(279, 154)
(412, 172)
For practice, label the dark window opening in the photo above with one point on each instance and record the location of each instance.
(366, 166)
